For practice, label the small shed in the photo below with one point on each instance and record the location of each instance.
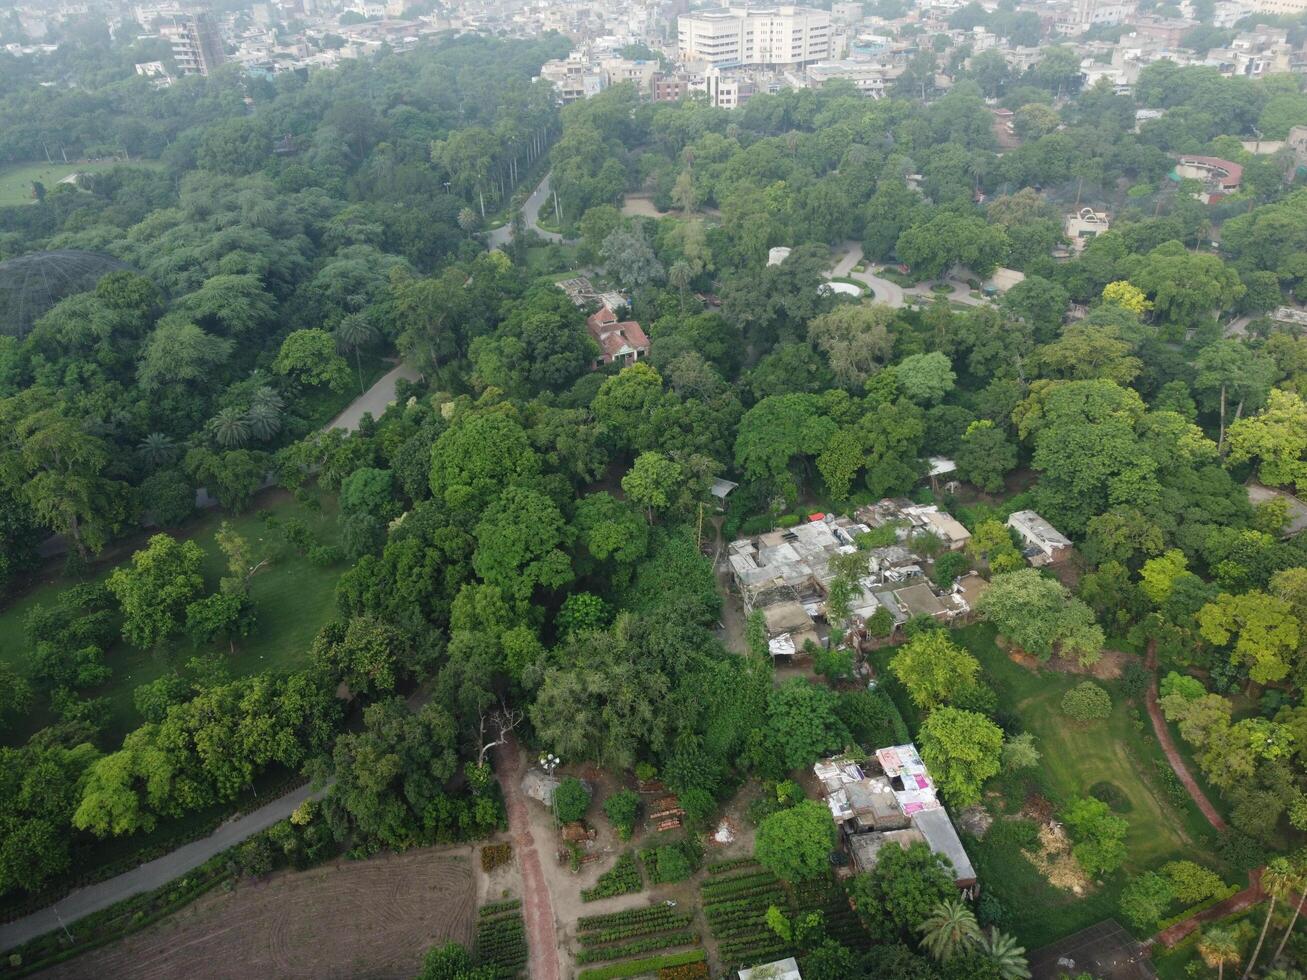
(786, 969)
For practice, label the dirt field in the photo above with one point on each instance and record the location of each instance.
(359, 919)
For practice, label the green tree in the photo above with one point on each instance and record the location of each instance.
(1264, 631)
(962, 749)
(1099, 835)
(520, 542)
(901, 891)
(1038, 615)
(155, 589)
(652, 483)
(1145, 900)
(622, 808)
(934, 669)
(571, 800)
(1219, 948)
(1007, 957)
(795, 844)
(801, 725)
(354, 333)
(309, 357)
(986, 456)
(925, 378)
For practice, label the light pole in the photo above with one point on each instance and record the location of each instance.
(549, 762)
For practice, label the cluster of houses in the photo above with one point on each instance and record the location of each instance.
(786, 573)
(889, 798)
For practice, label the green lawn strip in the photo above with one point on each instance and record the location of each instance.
(16, 181)
(294, 599)
(635, 968)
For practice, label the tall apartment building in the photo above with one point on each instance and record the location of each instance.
(755, 36)
(196, 44)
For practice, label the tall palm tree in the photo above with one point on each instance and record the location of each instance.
(1217, 947)
(157, 449)
(353, 333)
(231, 428)
(950, 927)
(265, 413)
(1277, 878)
(678, 277)
(468, 220)
(1299, 862)
(1006, 955)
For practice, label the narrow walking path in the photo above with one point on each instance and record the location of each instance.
(153, 874)
(537, 903)
(501, 236)
(1169, 749)
(1245, 899)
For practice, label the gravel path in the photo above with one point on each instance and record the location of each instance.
(537, 905)
(153, 874)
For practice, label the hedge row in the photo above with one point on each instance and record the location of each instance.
(621, 879)
(653, 913)
(648, 944)
(721, 867)
(496, 908)
(676, 920)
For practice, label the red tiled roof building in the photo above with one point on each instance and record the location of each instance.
(622, 341)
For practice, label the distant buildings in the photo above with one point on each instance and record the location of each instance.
(1219, 178)
(196, 44)
(1085, 224)
(755, 36)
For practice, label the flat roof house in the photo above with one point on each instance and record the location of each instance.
(1044, 544)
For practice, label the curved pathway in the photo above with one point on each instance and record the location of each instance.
(501, 236)
(1169, 749)
(153, 874)
(375, 400)
(891, 293)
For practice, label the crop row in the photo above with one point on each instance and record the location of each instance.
(754, 951)
(635, 968)
(496, 908)
(715, 886)
(501, 941)
(621, 879)
(756, 891)
(721, 867)
(650, 944)
(677, 920)
(653, 913)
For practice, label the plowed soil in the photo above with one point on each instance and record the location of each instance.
(359, 919)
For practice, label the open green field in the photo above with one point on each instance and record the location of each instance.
(16, 181)
(294, 599)
(1076, 757)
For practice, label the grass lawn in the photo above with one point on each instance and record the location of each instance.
(556, 261)
(16, 181)
(294, 599)
(1076, 757)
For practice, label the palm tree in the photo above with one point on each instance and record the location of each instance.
(353, 333)
(264, 418)
(231, 428)
(1277, 878)
(678, 277)
(468, 220)
(1217, 947)
(1299, 862)
(950, 927)
(157, 449)
(1006, 955)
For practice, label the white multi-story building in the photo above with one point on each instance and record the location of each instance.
(759, 36)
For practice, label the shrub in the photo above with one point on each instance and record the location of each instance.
(622, 808)
(671, 862)
(621, 879)
(571, 800)
(1134, 680)
(1099, 835)
(871, 718)
(1145, 898)
(699, 805)
(1086, 702)
(495, 855)
(1112, 795)
(1192, 882)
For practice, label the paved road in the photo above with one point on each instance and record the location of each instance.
(892, 294)
(1258, 494)
(374, 400)
(154, 874)
(499, 237)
